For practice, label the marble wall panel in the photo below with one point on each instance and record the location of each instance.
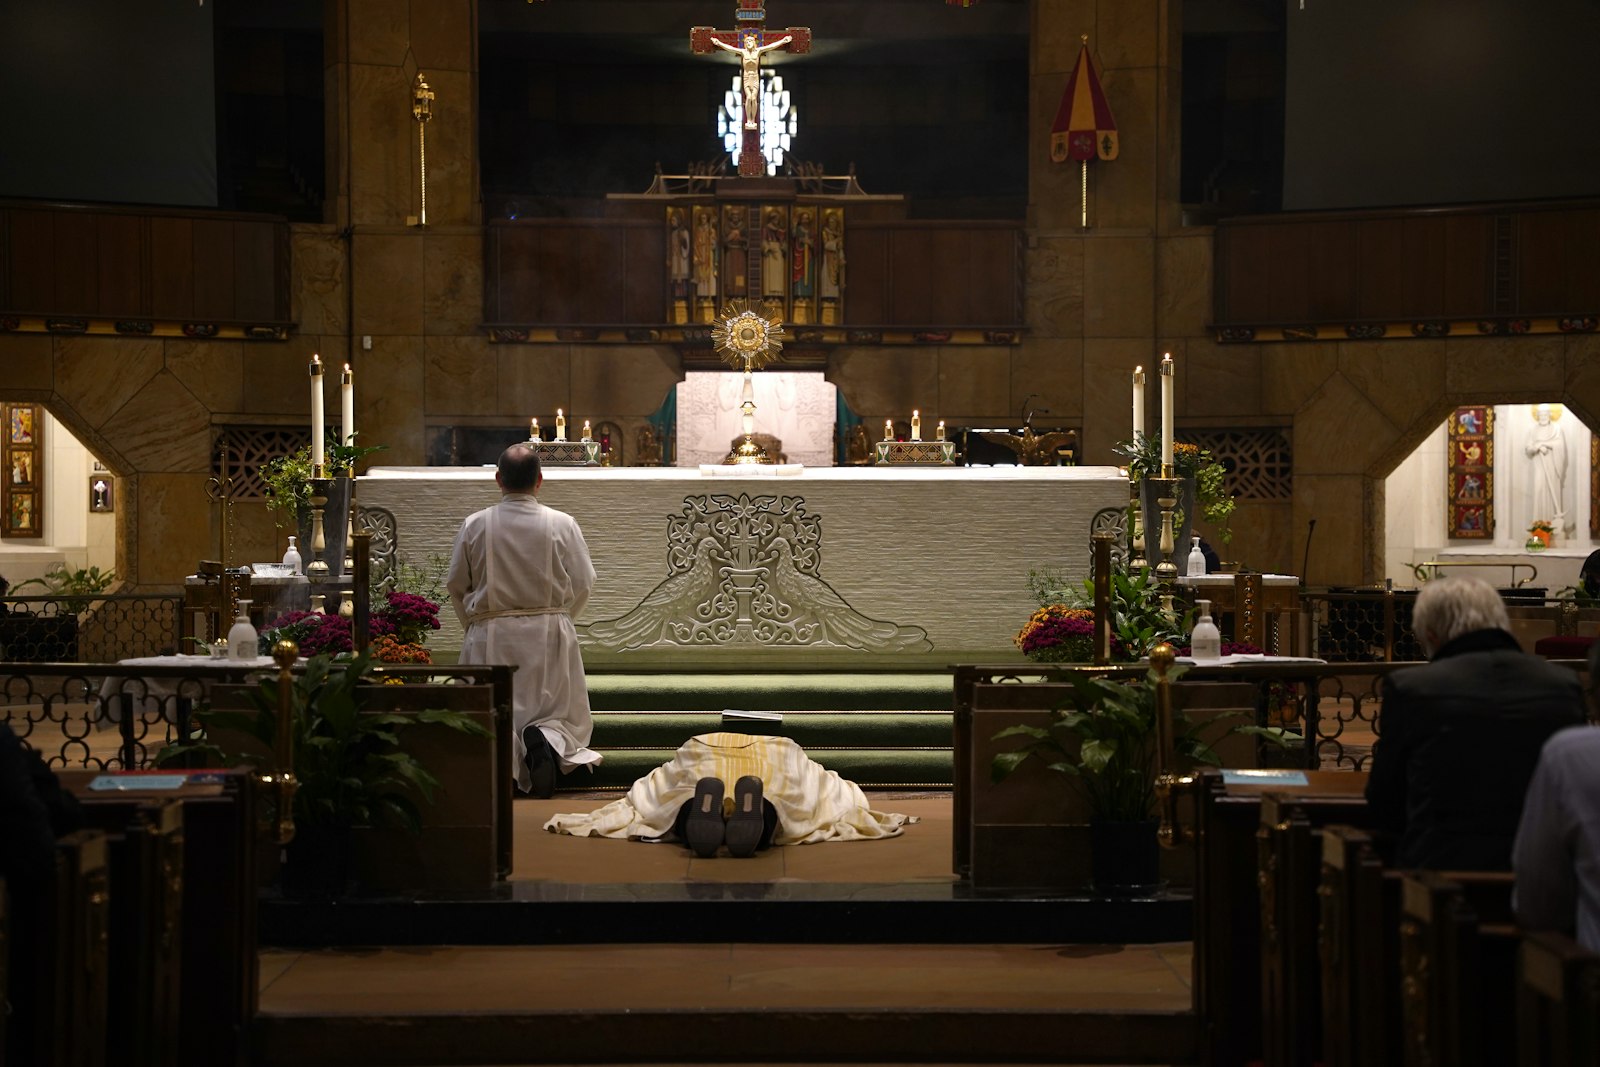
(382, 134)
(1486, 369)
(441, 36)
(463, 376)
(277, 382)
(1118, 280)
(317, 269)
(1183, 285)
(380, 31)
(391, 415)
(1057, 26)
(28, 359)
(974, 383)
(1292, 373)
(389, 283)
(535, 380)
(1108, 396)
(1053, 368)
(162, 428)
(1404, 379)
(452, 282)
(96, 375)
(1583, 377)
(1053, 289)
(1125, 197)
(1264, 538)
(625, 380)
(1053, 188)
(211, 370)
(1340, 431)
(884, 382)
(1346, 538)
(1215, 380)
(169, 541)
(1126, 35)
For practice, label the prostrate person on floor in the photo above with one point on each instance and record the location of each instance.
(779, 796)
(518, 574)
(1459, 737)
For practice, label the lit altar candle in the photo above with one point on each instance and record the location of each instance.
(888, 429)
(561, 426)
(533, 428)
(940, 431)
(1138, 403)
(916, 425)
(1166, 411)
(347, 406)
(319, 454)
(587, 433)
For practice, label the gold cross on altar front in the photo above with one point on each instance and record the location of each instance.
(750, 42)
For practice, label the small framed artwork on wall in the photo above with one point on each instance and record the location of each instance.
(21, 470)
(102, 493)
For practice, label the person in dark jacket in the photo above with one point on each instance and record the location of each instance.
(1459, 737)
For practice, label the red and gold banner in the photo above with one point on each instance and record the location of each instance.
(1084, 128)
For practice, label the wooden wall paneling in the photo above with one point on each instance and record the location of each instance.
(994, 285)
(1424, 256)
(1468, 266)
(918, 275)
(866, 277)
(1582, 262)
(73, 233)
(1249, 267)
(960, 271)
(214, 278)
(121, 281)
(32, 260)
(493, 274)
(557, 280)
(1380, 268)
(1541, 288)
(1288, 285)
(172, 268)
(518, 283)
(254, 271)
(644, 281)
(1331, 272)
(601, 266)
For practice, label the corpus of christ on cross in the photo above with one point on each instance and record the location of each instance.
(750, 42)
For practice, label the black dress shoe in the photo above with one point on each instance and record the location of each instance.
(743, 833)
(703, 827)
(541, 760)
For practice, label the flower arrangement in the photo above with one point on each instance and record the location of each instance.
(1058, 634)
(399, 630)
(1540, 531)
(1210, 476)
(1138, 620)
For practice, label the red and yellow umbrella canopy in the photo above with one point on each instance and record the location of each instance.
(1084, 127)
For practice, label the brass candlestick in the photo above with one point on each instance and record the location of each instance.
(317, 568)
(1167, 501)
(1136, 560)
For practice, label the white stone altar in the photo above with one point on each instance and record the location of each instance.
(832, 566)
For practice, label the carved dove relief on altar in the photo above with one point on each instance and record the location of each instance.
(747, 570)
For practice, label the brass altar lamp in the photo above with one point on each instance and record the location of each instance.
(745, 338)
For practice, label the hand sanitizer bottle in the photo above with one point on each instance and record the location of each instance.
(242, 638)
(1196, 562)
(1205, 644)
(292, 558)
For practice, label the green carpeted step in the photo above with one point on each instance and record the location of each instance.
(826, 729)
(869, 768)
(774, 691)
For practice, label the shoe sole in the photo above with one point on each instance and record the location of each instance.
(541, 764)
(703, 829)
(746, 824)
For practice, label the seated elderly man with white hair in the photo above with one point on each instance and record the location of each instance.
(1459, 737)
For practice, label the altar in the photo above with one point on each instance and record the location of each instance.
(831, 566)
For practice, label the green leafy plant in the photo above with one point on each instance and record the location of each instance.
(288, 478)
(1211, 495)
(1138, 622)
(1103, 737)
(348, 762)
(74, 587)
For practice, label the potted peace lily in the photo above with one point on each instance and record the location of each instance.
(1103, 738)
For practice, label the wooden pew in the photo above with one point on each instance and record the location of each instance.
(1227, 904)
(1558, 1002)
(58, 975)
(1289, 865)
(1359, 951)
(5, 967)
(144, 840)
(219, 969)
(1458, 968)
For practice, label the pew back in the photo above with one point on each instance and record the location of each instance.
(1558, 1002)
(1358, 947)
(1457, 957)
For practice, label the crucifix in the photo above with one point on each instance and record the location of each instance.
(750, 42)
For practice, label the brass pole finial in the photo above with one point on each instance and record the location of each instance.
(422, 110)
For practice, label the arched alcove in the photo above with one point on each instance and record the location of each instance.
(72, 494)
